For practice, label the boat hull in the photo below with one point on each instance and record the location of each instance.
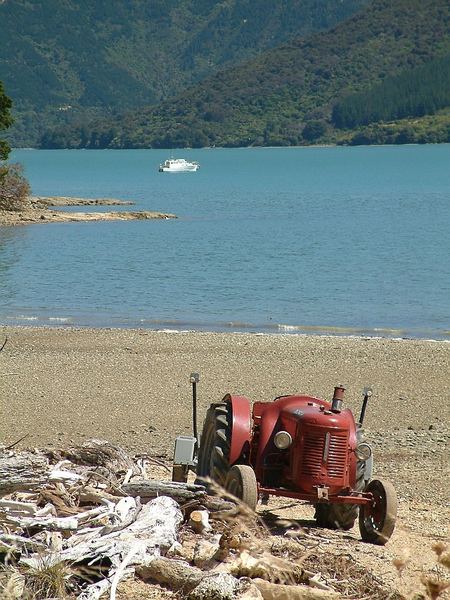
(178, 170)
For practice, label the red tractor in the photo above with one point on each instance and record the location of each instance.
(298, 447)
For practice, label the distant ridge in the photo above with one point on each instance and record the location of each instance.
(65, 62)
(286, 95)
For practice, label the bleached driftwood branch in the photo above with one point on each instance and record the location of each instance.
(51, 523)
(24, 471)
(147, 489)
(181, 492)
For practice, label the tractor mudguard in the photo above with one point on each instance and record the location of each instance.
(241, 426)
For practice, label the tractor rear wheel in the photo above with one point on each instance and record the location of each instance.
(215, 443)
(241, 482)
(377, 520)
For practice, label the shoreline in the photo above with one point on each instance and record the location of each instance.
(237, 328)
(40, 209)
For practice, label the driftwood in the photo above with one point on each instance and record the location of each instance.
(276, 569)
(275, 591)
(20, 472)
(100, 453)
(10, 542)
(17, 508)
(86, 508)
(199, 521)
(181, 492)
(152, 533)
(26, 471)
(51, 523)
(196, 584)
(207, 552)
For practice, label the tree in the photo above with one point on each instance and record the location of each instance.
(14, 188)
(314, 130)
(5, 121)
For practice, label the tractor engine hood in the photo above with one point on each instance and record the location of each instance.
(318, 414)
(323, 441)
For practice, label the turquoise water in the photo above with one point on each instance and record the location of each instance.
(347, 240)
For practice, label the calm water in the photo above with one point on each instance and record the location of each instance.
(347, 240)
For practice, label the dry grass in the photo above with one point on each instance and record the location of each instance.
(44, 581)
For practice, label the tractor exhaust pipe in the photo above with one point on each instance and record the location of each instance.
(367, 392)
(194, 378)
(338, 398)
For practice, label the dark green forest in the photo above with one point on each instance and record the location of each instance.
(68, 62)
(414, 93)
(290, 95)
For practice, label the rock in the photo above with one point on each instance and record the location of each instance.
(218, 586)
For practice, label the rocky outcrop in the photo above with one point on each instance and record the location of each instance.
(40, 209)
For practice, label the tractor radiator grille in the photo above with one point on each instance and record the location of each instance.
(324, 449)
(337, 455)
(313, 447)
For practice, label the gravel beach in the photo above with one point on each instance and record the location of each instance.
(132, 386)
(63, 386)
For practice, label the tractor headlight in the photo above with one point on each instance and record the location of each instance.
(363, 451)
(282, 440)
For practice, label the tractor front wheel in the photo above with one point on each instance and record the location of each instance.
(215, 443)
(377, 519)
(342, 516)
(241, 483)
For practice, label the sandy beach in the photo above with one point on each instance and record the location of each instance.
(63, 386)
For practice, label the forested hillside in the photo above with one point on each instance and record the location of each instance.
(64, 61)
(287, 95)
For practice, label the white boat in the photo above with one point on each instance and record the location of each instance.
(178, 165)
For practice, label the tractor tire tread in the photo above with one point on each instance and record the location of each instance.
(379, 533)
(215, 444)
(241, 482)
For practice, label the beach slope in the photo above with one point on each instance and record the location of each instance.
(63, 386)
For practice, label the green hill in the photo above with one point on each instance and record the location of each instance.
(286, 95)
(65, 61)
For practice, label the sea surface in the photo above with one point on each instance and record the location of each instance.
(300, 240)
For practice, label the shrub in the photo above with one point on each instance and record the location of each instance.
(14, 188)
